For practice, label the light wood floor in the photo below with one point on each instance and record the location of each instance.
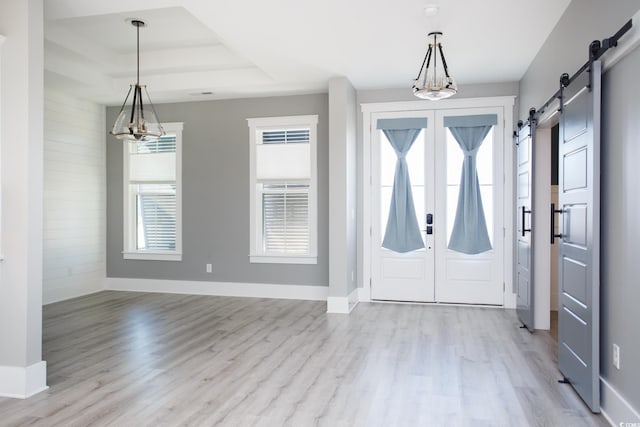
(134, 359)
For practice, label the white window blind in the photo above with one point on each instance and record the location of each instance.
(283, 172)
(282, 162)
(156, 217)
(152, 207)
(285, 222)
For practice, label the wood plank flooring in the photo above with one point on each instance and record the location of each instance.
(140, 359)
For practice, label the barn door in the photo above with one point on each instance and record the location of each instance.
(579, 245)
(524, 204)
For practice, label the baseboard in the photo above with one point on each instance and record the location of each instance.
(615, 408)
(342, 305)
(509, 300)
(21, 383)
(353, 299)
(364, 294)
(229, 289)
(63, 296)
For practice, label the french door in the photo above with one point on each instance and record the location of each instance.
(435, 163)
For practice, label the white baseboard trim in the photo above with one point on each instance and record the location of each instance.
(63, 296)
(228, 289)
(364, 294)
(21, 383)
(615, 408)
(342, 305)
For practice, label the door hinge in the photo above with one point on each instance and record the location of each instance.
(370, 231)
(504, 287)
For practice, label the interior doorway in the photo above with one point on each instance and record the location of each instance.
(546, 255)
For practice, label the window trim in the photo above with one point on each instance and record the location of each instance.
(128, 207)
(256, 253)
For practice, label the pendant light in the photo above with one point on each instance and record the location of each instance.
(433, 81)
(134, 122)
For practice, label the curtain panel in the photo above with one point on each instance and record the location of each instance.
(469, 235)
(402, 233)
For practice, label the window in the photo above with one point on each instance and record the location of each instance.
(283, 180)
(152, 197)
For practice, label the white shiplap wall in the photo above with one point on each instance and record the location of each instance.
(74, 197)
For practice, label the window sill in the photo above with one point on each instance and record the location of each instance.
(278, 259)
(153, 256)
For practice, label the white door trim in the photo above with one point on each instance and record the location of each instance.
(507, 103)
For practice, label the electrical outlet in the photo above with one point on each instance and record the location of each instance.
(209, 268)
(616, 356)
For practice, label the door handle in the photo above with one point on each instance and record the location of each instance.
(525, 211)
(553, 212)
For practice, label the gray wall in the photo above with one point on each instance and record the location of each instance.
(620, 197)
(566, 48)
(564, 51)
(465, 91)
(215, 185)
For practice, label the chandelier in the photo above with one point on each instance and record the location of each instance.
(134, 122)
(433, 81)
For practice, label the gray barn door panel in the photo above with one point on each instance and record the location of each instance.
(524, 237)
(579, 246)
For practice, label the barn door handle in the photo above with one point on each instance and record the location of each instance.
(553, 212)
(524, 212)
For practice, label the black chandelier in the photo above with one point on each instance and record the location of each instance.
(433, 81)
(134, 123)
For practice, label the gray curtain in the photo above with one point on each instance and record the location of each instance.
(402, 233)
(469, 234)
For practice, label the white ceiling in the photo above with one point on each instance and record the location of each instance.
(242, 48)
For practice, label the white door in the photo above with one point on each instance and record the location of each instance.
(402, 276)
(436, 273)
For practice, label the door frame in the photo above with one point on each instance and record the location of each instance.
(508, 193)
(541, 199)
